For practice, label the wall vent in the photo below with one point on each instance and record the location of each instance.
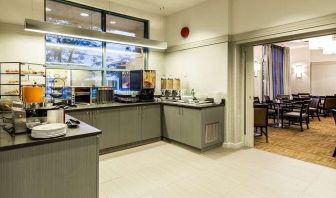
(211, 132)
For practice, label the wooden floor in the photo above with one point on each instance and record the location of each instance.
(315, 145)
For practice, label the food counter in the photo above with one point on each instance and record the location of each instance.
(66, 166)
(130, 124)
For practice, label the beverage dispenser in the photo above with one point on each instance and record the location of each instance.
(144, 82)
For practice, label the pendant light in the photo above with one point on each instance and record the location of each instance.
(65, 30)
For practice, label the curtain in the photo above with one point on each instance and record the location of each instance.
(267, 71)
(287, 70)
(277, 70)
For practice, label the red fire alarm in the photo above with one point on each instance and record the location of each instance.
(185, 32)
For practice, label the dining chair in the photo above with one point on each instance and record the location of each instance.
(314, 106)
(261, 120)
(256, 100)
(272, 111)
(329, 104)
(295, 117)
(334, 114)
(283, 97)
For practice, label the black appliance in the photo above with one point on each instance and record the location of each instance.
(144, 82)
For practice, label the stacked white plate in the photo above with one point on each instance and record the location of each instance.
(49, 130)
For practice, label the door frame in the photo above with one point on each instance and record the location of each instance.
(239, 103)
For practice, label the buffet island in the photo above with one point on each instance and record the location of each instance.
(65, 166)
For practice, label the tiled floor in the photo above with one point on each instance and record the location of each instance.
(165, 170)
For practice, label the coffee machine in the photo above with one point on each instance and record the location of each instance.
(36, 111)
(144, 82)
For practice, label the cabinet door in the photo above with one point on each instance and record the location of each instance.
(107, 120)
(171, 122)
(191, 133)
(150, 122)
(129, 125)
(84, 116)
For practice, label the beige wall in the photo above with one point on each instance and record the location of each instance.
(318, 72)
(248, 15)
(324, 78)
(257, 52)
(300, 56)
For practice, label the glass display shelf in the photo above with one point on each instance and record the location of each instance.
(14, 75)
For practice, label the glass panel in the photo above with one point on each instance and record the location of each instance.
(113, 79)
(59, 73)
(64, 14)
(86, 78)
(124, 57)
(66, 50)
(123, 26)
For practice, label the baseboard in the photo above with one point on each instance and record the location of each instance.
(233, 145)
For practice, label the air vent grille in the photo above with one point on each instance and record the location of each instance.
(211, 132)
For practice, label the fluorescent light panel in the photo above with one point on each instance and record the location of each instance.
(64, 30)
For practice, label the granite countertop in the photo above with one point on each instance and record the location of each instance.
(119, 105)
(8, 142)
(109, 105)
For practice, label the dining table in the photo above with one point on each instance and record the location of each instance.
(279, 105)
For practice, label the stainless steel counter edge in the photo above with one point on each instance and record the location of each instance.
(8, 142)
(120, 105)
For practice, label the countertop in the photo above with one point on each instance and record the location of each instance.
(8, 142)
(120, 105)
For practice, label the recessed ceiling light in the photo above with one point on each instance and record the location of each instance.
(48, 9)
(113, 22)
(84, 14)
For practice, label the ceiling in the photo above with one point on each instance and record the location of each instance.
(153, 6)
(294, 44)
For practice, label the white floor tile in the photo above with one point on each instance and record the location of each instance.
(167, 170)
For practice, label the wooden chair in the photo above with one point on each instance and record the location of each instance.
(272, 112)
(256, 100)
(334, 114)
(295, 96)
(304, 95)
(314, 106)
(261, 120)
(295, 117)
(283, 97)
(329, 104)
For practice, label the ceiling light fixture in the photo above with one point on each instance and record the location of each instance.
(113, 22)
(65, 30)
(83, 14)
(48, 9)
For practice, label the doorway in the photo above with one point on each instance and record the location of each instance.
(302, 68)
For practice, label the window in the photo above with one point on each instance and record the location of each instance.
(65, 14)
(65, 50)
(89, 62)
(124, 26)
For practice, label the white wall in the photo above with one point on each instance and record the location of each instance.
(248, 15)
(300, 56)
(206, 20)
(18, 45)
(202, 68)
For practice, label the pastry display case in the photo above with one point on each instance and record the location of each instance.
(15, 75)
